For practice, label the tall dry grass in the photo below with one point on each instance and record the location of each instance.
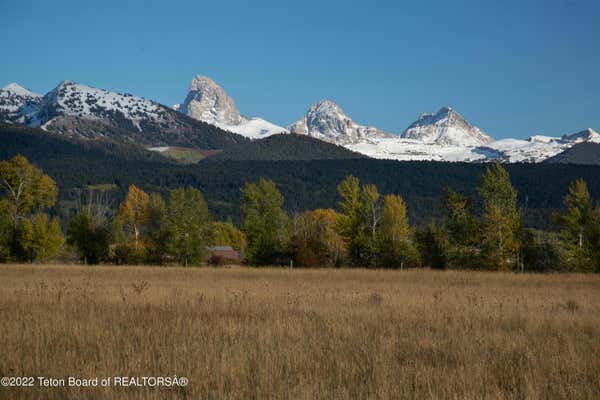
(302, 334)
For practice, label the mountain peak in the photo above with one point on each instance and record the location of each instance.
(446, 127)
(207, 101)
(200, 82)
(64, 83)
(586, 135)
(326, 120)
(19, 90)
(70, 100)
(325, 105)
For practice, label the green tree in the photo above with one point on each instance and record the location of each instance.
(460, 221)
(265, 223)
(5, 235)
(432, 242)
(315, 241)
(90, 236)
(501, 224)
(46, 238)
(544, 251)
(191, 225)
(580, 228)
(27, 189)
(395, 248)
(225, 234)
(27, 234)
(359, 222)
(462, 229)
(121, 252)
(350, 219)
(158, 230)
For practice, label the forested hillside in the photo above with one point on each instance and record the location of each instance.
(305, 184)
(582, 153)
(37, 144)
(286, 147)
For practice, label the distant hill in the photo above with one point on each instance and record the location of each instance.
(286, 147)
(582, 153)
(40, 146)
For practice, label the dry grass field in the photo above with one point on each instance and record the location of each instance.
(301, 334)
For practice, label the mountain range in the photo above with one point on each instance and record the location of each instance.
(208, 120)
(81, 111)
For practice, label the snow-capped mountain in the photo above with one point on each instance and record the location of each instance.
(446, 127)
(442, 136)
(70, 99)
(79, 110)
(587, 135)
(17, 104)
(539, 148)
(327, 121)
(448, 136)
(535, 149)
(207, 101)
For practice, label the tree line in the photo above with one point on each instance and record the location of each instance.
(306, 185)
(366, 230)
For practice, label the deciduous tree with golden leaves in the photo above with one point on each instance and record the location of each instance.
(26, 232)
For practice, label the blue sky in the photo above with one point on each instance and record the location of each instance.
(513, 68)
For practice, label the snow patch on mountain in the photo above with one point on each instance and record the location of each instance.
(416, 150)
(254, 128)
(531, 151)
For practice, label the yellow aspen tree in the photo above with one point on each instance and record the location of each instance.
(134, 214)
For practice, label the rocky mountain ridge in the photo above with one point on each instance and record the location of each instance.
(209, 119)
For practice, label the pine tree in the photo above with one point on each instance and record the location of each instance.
(459, 220)
(432, 242)
(90, 236)
(580, 227)
(462, 229)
